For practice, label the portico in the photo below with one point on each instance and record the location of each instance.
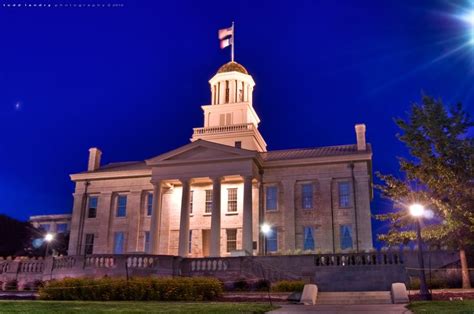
(205, 163)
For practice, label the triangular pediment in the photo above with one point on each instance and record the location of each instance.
(199, 151)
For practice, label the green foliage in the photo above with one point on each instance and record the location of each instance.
(241, 285)
(288, 286)
(136, 289)
(440, 176)
(262, 285)
(11, 285)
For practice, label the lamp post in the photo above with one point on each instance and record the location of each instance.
(266, 229)
(48, 238)
(417, 211)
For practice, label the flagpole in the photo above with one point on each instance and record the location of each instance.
(233, 42)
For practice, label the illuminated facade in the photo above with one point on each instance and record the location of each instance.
(210, 197)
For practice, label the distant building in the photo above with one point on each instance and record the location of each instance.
(211, 197)
(52, 223)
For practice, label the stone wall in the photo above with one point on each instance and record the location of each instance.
(331, 272)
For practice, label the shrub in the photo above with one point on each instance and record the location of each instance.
(241, 285)
(288, 286)
(262, 285)
(136, 289)
(11, 285)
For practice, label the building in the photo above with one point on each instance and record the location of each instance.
(52, 223)
(210, 197)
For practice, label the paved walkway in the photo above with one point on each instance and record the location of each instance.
(343, 309)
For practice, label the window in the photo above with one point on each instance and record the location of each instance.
(119, 239)
(238, 144)
(146, 246)
(45, 227)
(222, 119)
(231, 239)
(89, 246)
(227, 92)
(346, 237)
(191, 196)
(208, 208)
(271, 198)
(149, 204)
(190, 242)
(225, 119)
(344, 194)
(308, 238)
(272, 240)
(61, 228)
(232, 200)
(122, 206)
(92, 208)
(307, 196)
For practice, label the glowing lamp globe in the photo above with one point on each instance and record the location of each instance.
(416, 210)
(49, 237)
(266, 228)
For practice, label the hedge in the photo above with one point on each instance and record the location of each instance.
(135, 289)
(288, 286)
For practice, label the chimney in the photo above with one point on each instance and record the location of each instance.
(94, 158)
(360, 133)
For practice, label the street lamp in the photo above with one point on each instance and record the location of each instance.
(266, 229)
(417, 211)
(48, 238)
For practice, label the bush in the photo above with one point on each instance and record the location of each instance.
(11, 285)
(288, 286)
(241, 285)
(262, 285)
(136, 289)
(434, 283)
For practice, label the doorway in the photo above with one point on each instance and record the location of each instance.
(206, 242)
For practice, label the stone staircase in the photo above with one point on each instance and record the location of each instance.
(362, 297)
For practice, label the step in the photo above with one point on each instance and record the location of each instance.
(363, 297)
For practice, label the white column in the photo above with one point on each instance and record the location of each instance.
(216, 218)
(184, 221)
(155, 218)
(247, 237)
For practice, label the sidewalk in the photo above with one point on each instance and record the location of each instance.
(339, 309)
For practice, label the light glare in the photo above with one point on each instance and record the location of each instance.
(416, 210)
(266, 228)
(49, 237)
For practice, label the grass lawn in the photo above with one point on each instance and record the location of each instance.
(130, 307)
(442, 306)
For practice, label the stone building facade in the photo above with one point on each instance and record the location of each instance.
(212, 196)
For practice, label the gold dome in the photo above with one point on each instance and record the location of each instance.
(232, 66)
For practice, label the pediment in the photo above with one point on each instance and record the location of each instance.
(200, 151)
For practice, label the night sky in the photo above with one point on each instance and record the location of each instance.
(131, 79)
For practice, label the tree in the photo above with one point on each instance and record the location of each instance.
(16, 236)
(440, 175)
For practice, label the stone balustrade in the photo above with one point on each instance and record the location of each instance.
(224, 129)
(148, 261)
(358, 259)
(207, 264)
(100, 261)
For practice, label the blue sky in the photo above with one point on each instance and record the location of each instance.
(131, 80)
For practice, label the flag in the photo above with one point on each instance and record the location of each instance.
(223, 33)
(226, 42)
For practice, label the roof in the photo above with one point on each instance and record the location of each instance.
(121, 166)
(302, 153)
(231, 67)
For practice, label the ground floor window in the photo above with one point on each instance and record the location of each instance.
(272, 240)
(231, 240)
(346, 237)
(190, 242)
(147, 242)
(89, 245)
(119, 240)
(308, 238)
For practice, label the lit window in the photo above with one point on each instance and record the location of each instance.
(232, 200)
(190, 243)
(89, 245)
(149, 204)
(308, 238)
(92, 208)
(61, 228)
(272, 240)
(147, 242)
(45, 227)
(191, 196)
(231, 239)
(307, 196)
(346, 237)
(119, 239)
(208, 208)
(122, 206)
(344, 194)
(271, 198)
